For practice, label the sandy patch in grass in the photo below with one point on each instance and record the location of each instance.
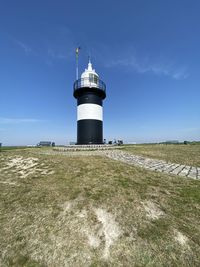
(153, 212)
(101, 232)
(110, 229)
(69, 205)
(93, 240)
(22, 163)
(180, 238)
(66, 206)
(8, 182)
(24, 166)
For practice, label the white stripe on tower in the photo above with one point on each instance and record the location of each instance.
(89, 112)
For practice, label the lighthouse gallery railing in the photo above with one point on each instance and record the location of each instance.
(89, 82)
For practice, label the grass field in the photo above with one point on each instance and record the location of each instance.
(183, 154)
(91, 211)
(5, 148)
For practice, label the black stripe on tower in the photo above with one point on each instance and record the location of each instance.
(89, 97)
(89, 132)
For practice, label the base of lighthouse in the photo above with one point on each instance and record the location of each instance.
(89, 132)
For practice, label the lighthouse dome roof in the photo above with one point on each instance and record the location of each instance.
(87, 73)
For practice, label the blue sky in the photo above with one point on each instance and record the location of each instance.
(147, 53)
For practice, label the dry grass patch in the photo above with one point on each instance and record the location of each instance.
(153, 211)
(93, 211)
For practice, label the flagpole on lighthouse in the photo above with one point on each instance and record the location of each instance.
(77, 54)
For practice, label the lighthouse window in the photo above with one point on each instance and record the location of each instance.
(93, 78)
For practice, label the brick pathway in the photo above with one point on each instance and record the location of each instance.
(148, 163)
(154, 164)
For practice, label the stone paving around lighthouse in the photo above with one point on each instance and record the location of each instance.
(154, 164)
(144, 162)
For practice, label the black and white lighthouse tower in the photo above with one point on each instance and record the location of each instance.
(90, 92)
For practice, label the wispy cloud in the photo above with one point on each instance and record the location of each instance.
(56, 54)
(129, 58)
(55, 44)
(59, 44)
(24, 46)
(18, 120)
(21, 44)
(27, 49)
(145, 66)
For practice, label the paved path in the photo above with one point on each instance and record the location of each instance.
(147, 163)
(154, 164)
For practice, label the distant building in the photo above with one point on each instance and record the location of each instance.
(46, 143)
(172, 142)
(120, 142)
(72, 143)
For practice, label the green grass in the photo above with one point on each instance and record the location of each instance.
(6, 148)
(48, 219)
(183, 154)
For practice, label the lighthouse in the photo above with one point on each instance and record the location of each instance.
(90, 92)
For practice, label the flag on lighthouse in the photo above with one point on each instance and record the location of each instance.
(77, 50)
